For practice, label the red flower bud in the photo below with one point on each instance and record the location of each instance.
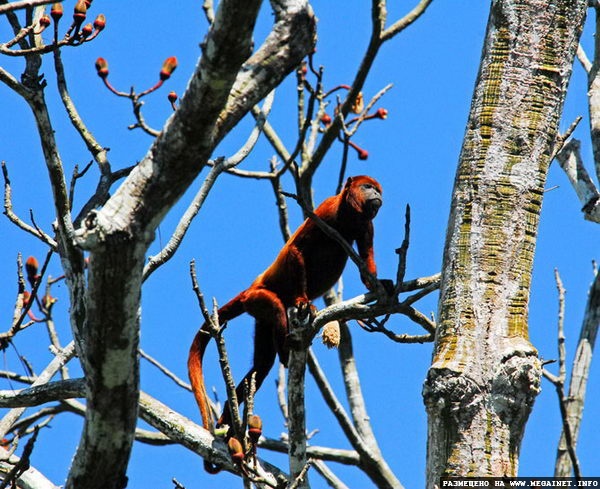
(363, 154)
(79, 11)
(172, 97)
(235, 450)
(31, 267)
(56, 11)
(45, 21)
(102, 67)
(382, 113)
(87, 30)
(254, 428)
(26, 298)
(326, 119)
(168, 68)
(100, 22)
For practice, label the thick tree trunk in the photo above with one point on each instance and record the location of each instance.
(485, 373)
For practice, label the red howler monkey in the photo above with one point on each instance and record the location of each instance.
(308, 265)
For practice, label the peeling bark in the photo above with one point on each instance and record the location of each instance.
(485, 374)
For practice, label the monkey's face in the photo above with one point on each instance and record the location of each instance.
(372, 200)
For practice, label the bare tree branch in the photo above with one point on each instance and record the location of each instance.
(195, 438)
(574, 401)
(583, 59)
(11, 7)
(8, 212)
(54, 366)
(342, 456)
(296, 406)
(34, 396)
(165, 371)
(405, 21)
(559, 381)
(333, 481)
(572, 163)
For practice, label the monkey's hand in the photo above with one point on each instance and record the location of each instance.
(386, 290)
(300, 316)
(305, 311)
(388, 286)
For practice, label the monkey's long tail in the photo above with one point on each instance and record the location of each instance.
(229, 311)
(196, 375)
(197, 379)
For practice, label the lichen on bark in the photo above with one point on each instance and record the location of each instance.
(485, 373)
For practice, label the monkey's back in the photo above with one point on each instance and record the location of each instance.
(308, 255)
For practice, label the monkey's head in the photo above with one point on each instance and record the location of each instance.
(363, 193)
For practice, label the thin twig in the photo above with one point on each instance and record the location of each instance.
(343, 164)
(280, 201)
(361, 307)
(165, 370)
(14, 376)
(307, 120)
(332, 480)
(212, 326)
(402, 252)
(559, 381)
(141, 121)
(8, 212)
(574, 400)
(299, 480)
(95, 148)
(13, 415)
(561, 139)
(405, 21)
(76, 176)
(378, 37)
(17, 324)
(364, 115)
(583, 59)
(178, 485)
(567, 430)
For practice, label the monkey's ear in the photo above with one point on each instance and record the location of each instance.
(348, 182)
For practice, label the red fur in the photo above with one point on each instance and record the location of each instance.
(307, 266)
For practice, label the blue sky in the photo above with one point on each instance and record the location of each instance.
(413, 154)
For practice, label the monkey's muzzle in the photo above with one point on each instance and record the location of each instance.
(372, 206)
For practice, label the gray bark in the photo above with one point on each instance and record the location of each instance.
(485, 373)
